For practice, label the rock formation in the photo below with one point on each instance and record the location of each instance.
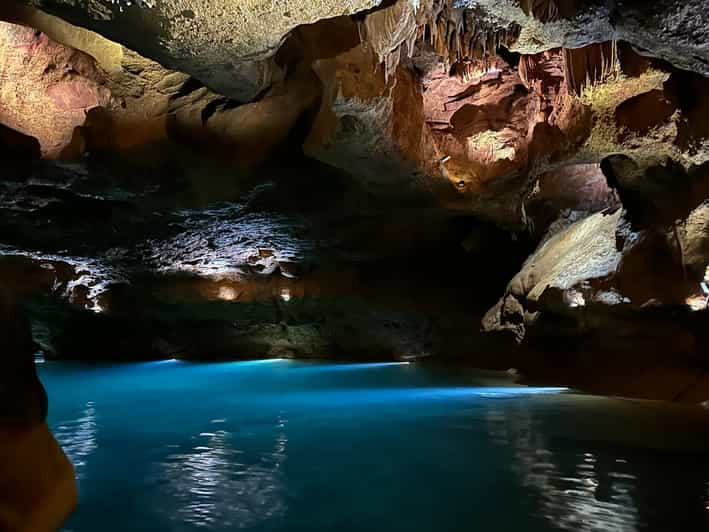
(37, 490)
(362, 179)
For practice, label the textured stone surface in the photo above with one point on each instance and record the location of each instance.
(576, 190)
(224, 44)
(695, 242)
(424, 131)
(673, 30)
(600, 285)
(584, 251)
(121, 101)
(38, 74)
(306, 264)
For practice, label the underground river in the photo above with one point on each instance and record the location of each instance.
(280, 445)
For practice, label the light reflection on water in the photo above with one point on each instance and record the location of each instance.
(576, 498)
(213, 484)
(78, 437)
(292, 446)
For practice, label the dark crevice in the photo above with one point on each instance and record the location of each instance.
(187, 88)
(218, 105)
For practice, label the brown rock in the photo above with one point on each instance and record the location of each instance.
(644, 111)
(22, 400)
(47, 88)
(589, 65)
(37, 489)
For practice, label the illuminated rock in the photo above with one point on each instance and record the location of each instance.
(694, 235)
(64, 83)
(670, 29)
(424, 119)
(225, 44)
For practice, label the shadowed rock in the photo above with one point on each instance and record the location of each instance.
(37, 489)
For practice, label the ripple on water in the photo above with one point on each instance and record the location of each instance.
(215, 483)
(287, 448)
(572, 495)
(78, 437)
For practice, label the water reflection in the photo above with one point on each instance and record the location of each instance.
(296, 446)
(217, 484)
(586, 487)
(582, 494)
(78, 438)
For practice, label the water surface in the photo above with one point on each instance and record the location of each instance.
(296, 446)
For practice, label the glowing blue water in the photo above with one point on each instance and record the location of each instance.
(291, 446)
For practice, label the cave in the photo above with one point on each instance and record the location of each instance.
(382, 265)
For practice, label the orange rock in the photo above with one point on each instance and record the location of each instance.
(47, 88)
(37, 487)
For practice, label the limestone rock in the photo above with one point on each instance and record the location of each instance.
(135, 104)
(614, 280)
(673, 30)
(583, 252)
(224, 44)
(40, 74)
(695, 242)
(574, 189)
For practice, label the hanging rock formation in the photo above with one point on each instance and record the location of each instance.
(672, 30)
(224, 44)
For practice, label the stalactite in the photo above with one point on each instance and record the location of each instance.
(544, 10)
(525, 67)
(468, 70)
(589, 65)
(455, 34)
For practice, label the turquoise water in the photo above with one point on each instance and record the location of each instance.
(295, 446)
